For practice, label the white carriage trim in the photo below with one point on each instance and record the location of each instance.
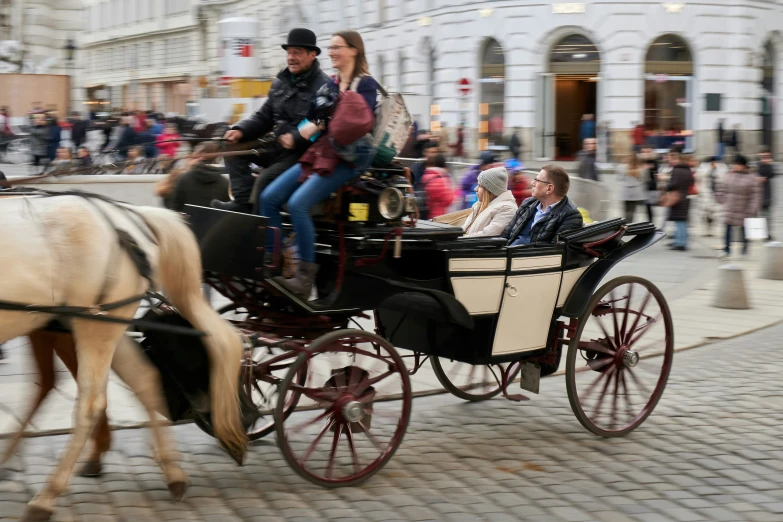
(527, 308)
(479, 295)
(477, 264)
(570, 277)
(536, 263)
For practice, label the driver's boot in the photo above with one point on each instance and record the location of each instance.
(233, 206)
(302, 284)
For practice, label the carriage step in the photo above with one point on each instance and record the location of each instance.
(517, 397)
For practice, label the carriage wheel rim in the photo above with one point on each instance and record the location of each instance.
(334, 423)
(622, 370)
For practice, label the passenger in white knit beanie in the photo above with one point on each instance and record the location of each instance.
(494, 180)
(495, 207)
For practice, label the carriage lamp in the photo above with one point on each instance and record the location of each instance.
(391, 203)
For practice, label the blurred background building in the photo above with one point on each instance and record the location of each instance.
(534, 68)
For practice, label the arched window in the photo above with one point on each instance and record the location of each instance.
(668, 93)
(574, 54)
(492, 95)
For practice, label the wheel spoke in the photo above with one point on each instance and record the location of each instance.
(299, 428)
(328, 424)
(606, 373)
(639, 315)
(335, 441)
(644, 388)
(370, 436)
(627, 395)
(596, 347)
(597, 364)
(623, 330)
(614, 318)
(613, 417)
(643, 329)
(597, 410)
(349, 435)
(605, 332)
(366, 383)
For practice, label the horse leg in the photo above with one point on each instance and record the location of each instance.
(65, 348)
(143, 378)
(43, 355)
(96, 343)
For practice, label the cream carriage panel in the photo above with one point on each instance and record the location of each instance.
(479, 295)
(524, 319)
(570, 277)
(535, 263)
(477, 264)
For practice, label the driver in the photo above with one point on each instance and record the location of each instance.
(548, 213)
(284, 110)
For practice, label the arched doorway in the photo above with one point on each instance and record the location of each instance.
(574, 66)
(492, 80)
(768, 97)
(668, 93)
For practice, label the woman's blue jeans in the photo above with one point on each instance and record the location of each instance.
(301, 197)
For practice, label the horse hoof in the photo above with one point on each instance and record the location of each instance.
(91, 469)
(36, 514)
(177, 490)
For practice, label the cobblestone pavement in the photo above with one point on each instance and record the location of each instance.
(711, 451)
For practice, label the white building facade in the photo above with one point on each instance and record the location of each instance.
(538, 66)
(534, 67)
(141, 54)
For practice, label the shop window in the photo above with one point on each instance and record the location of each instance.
(668, 93)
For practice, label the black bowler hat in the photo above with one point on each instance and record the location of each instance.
(305, 38)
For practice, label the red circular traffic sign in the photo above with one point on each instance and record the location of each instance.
(463, 85)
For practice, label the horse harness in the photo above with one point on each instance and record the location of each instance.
(138, 257)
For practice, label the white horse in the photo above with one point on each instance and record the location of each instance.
(65, 251)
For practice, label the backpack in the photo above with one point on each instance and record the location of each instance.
(392, 125)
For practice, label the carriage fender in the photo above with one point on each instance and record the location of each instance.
(577, 300)
(453, 309)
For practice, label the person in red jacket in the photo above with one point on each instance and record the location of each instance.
(437, 184)
(520, 186)
(164, 143)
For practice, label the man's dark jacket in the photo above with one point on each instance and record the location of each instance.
(767, 171)
(287, 105)
(564, 216)
(198, 186)
(680, 181)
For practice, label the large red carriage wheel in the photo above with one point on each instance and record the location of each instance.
(354, 410)
(263, 394)
(619, 361)
(471, 382)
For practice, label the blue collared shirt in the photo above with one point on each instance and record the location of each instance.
(525, 234)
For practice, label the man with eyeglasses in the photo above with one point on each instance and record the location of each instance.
(284, 113)
(541, 218)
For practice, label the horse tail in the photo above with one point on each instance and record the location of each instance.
(180, 275)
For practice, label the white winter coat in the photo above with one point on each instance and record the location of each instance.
(494, 219)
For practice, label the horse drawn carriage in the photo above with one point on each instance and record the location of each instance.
(332, 376)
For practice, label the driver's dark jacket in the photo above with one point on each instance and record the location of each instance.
(564, 216)
(286, 106)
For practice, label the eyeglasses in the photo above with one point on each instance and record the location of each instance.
(337, 47)
(536, 180)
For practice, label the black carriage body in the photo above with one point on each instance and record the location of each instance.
(471, 300)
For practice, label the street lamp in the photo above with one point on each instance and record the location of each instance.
(70, 50)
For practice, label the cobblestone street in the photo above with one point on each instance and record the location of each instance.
(711, 451)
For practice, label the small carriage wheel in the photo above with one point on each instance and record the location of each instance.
(482, 382)
(266, 423)
(347, 403)
(610, 362)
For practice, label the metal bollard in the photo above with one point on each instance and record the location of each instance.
(772, 261)
(730, 292)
